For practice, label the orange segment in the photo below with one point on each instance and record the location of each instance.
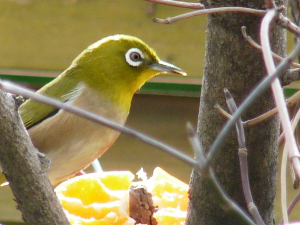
(97, 198)
(109, 219)
(117, 180)
(88, 190)
(102, 199)
(170, 216)
(170, 191)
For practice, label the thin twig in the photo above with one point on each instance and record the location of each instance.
(283, 173)
(228, 205)
(277, 92)
(223, 199)
(195, 143)
(294, 99)
(178, 4)
(210, 11)
(243, 161)
(283, 66)
(281, 20)
(222, 111)
(280, 103)
(250, 122)
(293, 203)
(289, 102)
(283, 185)
(288, 25)
(257, 46)
(261, 118)
(10, 87)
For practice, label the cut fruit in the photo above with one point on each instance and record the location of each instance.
(103, 198)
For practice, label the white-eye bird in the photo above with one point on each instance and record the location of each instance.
(102, 80)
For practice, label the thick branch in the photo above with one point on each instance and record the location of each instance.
(19, 161)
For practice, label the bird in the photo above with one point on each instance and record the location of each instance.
(102, 80)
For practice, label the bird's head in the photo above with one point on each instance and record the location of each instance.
(121, 62)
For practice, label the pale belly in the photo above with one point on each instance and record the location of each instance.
(75, 150)
(72, 142)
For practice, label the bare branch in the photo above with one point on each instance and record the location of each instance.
(257, 46)
(230, 205)
(287, 24)
(222, 111)
(250, 122)
(243, 161)
(294, 99)
(10, 87)
(195, 143)
(278, 94)
(239, 126)
(284, 160)
(260, 118)
(293, 203)
(283, 66)
(23, 170)
(280, 20)
(225, 202)
(210, 11)
(178, 4)
(283, 185)
(291, 75)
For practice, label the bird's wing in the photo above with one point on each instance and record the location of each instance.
(33, 112)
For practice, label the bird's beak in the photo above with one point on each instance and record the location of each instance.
(167, 68)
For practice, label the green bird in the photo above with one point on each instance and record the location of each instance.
(101, 80)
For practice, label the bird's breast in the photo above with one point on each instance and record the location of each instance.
(73, 142)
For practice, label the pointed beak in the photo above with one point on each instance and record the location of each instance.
(167, 68)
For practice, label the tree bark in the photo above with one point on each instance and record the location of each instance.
(19, 161)
(231, 63)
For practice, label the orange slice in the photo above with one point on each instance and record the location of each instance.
(102, 199)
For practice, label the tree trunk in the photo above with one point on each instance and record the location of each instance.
(230, 62)
(29, 183)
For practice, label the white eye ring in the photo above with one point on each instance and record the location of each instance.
(134, 57)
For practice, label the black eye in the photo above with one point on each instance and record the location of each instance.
(134, 57)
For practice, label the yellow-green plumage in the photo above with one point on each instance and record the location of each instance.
(102, 80)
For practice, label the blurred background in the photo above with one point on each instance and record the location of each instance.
(48, 35)
(39, 39)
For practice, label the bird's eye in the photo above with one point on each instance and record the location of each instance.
(134, 57)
